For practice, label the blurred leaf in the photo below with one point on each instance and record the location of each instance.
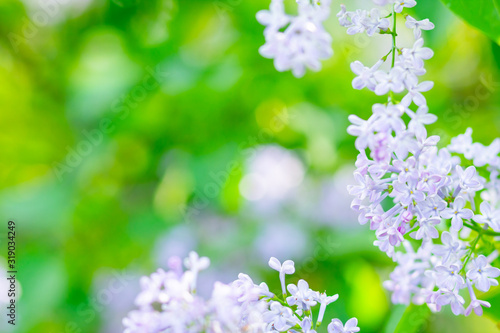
(395, 316)
(493, 297)
(414, 318)
(482, 14)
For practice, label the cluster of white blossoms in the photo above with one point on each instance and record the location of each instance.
(296, 42)
(168, 303)
(432, 212)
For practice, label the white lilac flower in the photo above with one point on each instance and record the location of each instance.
(296, 42)
(418, 26)
(365, 76)
(361, 21)
(400, 4)
(427, 228)
(415, 94)
(344, 17)
(449, 277)
(475, 304)
(336, 326)
(462, 144)
(450, 248)
(381, 2)
(389, 117)
(274, 18)
(324, 300)
(301, 295)
(467, 178)
(279, 317)
(418, 53)
(392, 81)
(433, 205)
(406, 191)
(409, 73)
(374, 23)
(420, 118)
(488, 216)
(454, 299)
(306, 325)
(362, 129)
(196, 264)
(482, 274)
(287, 268)
(457, 213)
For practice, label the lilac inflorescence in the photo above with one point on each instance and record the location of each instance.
(296, 42)
(431, 210)
(168, 303)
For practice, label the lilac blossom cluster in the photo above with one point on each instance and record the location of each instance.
(296, 42)
(168, 303)
(432, 212)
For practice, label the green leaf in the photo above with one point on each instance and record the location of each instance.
(481, 14)
(414, 318)
(493, 296)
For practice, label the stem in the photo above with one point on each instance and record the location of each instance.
(279, 300)
(472, 247)
(394, 34)
(477, 228)
(394, 47)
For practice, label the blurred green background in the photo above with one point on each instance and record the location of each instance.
(132, 130)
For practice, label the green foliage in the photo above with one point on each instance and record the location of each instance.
(414, 319)
(481, 14)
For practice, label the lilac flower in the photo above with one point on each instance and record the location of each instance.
(288, 267)
(367, 187)
(303, 41)
(281, 318)
(406, 191)
(482, 274)
(389, 117)
(420, 118)
(488, 216)
(306, 325)
(360, 128)
(475, 304)
(467, 178)
(344, 17)
(430, 183)
(449, 277)
(274, 18)
(324, 300)
(409, 73)
(351, 326)
(391, 81)
(365, 76)
(454, 299)
(196, 264)
(418, 26)
(405, 143)
(457, 213)
(415, 94)
(301, 295)
(433, 205)
(418, 53)
(450, 248)
(393, 233)
(400, 4)
(462, 144)
(427, 228)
